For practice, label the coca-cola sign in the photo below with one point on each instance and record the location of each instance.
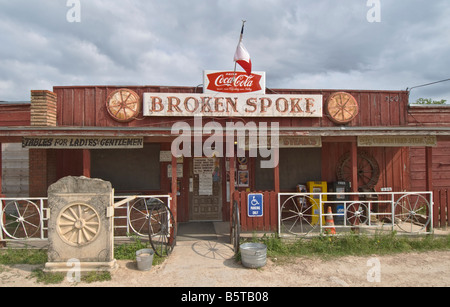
(234, 82)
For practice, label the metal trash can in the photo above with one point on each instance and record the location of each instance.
(253, 255)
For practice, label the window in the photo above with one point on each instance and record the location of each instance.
(128, 169)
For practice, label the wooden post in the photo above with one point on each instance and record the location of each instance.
(1, 170)
(2, 243)
(174, 189)
(429, 168)
(276, 172)
(87, 163)
(354, 166)
(354, 169)
(429, 177)
(232, 186)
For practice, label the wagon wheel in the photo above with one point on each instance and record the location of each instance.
(342, 107)
(139, 213)
(162, 229)
(21, 219)
(123, 105)
(357, 214)
(235, 228)
(412, 213)
(296, 215)
(367, 169)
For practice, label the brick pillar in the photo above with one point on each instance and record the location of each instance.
(43, 114)
(43, 108)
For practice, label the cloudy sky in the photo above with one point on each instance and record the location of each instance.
(306, 44)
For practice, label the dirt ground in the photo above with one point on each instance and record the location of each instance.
(206, 263)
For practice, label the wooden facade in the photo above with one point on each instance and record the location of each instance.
(81, 111)
(85, 107)
(436, 160)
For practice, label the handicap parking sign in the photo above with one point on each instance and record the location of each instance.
(255, 205)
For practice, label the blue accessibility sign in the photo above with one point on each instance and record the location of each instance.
(255, 205)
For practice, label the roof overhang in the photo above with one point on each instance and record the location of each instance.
(167, 131)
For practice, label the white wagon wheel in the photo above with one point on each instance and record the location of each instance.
(21, 219)
(296, 215)
(357, 213)
(412, 213)
(139, 214)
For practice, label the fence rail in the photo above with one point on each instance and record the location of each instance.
(302, 214)
(26, 219)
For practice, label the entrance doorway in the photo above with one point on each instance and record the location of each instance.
(206, 186)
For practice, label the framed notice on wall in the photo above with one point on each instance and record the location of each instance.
(243, 179)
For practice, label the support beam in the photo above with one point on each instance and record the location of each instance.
(429, 168)
(354, 166)
(1, 169)
(174, 203)
(429, 176)
(276, 172)
(2, 243)
(232, 185)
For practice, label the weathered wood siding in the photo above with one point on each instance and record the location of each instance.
(432, 116)
(14, 115)
(15, 175)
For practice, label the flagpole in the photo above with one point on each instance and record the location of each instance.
(240, 39)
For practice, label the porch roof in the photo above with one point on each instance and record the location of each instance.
(28, 131)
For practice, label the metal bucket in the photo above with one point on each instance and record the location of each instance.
(144, 258)
(253, 255)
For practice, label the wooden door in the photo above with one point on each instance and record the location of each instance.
(206, 181)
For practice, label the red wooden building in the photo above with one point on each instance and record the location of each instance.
(80, 130)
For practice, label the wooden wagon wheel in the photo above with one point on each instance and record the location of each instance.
(367, 169)
(342, 107)
(123, 105)
(162, 229)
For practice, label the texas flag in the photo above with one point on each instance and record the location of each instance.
(242, 57)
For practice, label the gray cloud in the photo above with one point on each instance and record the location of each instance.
(299, 43)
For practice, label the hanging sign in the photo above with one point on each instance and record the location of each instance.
(71, 142)
(247, 142)
(232, 105)
(234, 82)
(397, 141)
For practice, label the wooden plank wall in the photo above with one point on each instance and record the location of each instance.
(269, 220)
(441, 179)
(393, 164)
(14, 115)
(432, 116)
(429, 115)
(86, 106)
